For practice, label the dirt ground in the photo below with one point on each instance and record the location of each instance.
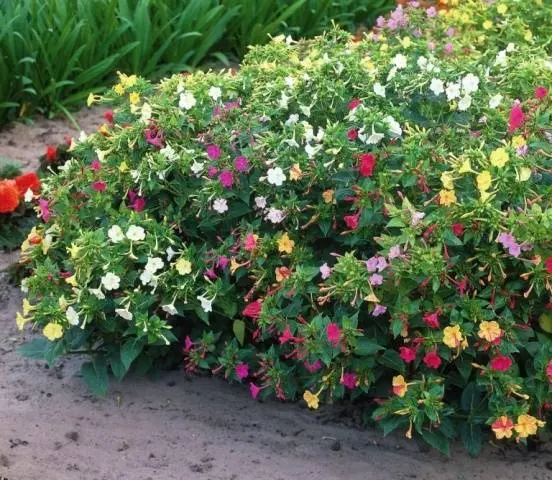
(177, 427)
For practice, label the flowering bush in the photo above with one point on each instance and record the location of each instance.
(337, 219)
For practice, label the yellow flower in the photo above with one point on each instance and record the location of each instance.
(484, 180)
(406, 42)
(311, 399)
(53, 331)
(104, 129)
(127, 80)
(518, 141)
(465, 167)
(502, 9)
(20, 320)
(502, 427)
(328, 196)
(527, 425)
(234, 265)
(481, 39)
(447, 197)
(452, 336)
(487, 24)
(73, 250)
(446, 179)
(524, 174)
(72, 280)
(27, 307)
(285, 244)
(368, 64)
(123, 167)
(134, 98)
(295, 173)
(489, 331)
(183, 266)
(499, 157)
(528, 36)
(399, 386)
(119, 89)
(92, 99)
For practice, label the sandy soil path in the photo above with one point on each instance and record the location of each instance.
(182, 428)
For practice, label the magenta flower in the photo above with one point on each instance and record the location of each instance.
(44, 210)
(349, 380)
(214, 152)
(138, 204)
(449, 47)
(155, 137)
(242, 370)
(241, 164)
(99, 186)
(313, 367)
(188, 344)
(286, 336)
(333, 333)
(254, 390)
(95, 165)
(226, 179)
(250, 242)
(212, 171)
(223, 262)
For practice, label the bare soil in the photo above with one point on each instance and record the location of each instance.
(180, 427)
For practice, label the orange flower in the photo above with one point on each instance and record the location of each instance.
(282, 273)
(26, 181)
(9, 196)
(502, 427)
(399, 386)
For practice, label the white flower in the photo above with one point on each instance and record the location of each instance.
(399, 61)
(28, 195)
(187, 101)
(97, 293)
(453, 91)
(437, 86)
(283, 102)
(197, 167)
(72, 316)
(276, 176)
(290, 82)
(220, 205)
(124, 313)
(395, 129)
(464, 103)
(180, 87)
(374, 138)
(145, 113)
(215, 93)
(169, 153)
(82, 136)
(110, 281)
(470, 83)
(311, 151)
(206, 304)
(501, 58)
(153, 264)
(379, 89)
(260, 202)
(305, 110)
(511, 47)
(422, 62)
(170, 309)
(115, 234)
(275, 215)
(146, 277)
(135, 233)
(170, 253)
(392, 73)
(292, 120)
(495, 101)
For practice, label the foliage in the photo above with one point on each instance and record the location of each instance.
(337, 219)
(55, 53)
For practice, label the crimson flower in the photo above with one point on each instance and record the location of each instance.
(367, 163)
(548, 265)
(500, 363)
(333, 333)
(517, 118)
(432, 360)
(253, 310)
(352, 220)
(407, 354)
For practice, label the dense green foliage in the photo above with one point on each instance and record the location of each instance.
(54, 52)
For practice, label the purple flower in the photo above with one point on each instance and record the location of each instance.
(394, 252)
(380, 22)
(514, 250)
(44, 210)
(226, 179)
(449, 47)
(241, 163)
(522, 151)
(211, 274)
(325, 271)
(376, 279)
(450, 32)
(377, 262)
(506, 239)
(417, 33)
(431, 12)
(214, 152)
(379, 310)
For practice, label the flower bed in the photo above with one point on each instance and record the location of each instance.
(337, 219)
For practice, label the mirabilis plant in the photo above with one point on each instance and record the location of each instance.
(337, 219)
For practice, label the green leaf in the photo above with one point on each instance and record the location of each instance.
(472, 438)
(239, 330)
(54, 350)
(35, 349)
(117, 367)
(365, 347)
(437, 440)
(392, 359)
(130, 350)
(95, 375)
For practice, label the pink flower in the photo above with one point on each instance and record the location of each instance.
(432, 360)
(432, 319)
(188, 344)
(500, 363)
(155, 137)
(352, 134)
(254, 390)
(226, 179)
(313, 367)
(333, 333)
(95, 165)
(253, 310)
(286, 336)
(349, 380)
(325, 271)
(376, 279)
(44, 210)
(241, 164)
(541, 92)
(449, 47)
(214, 152)
(222, 262)
(250, 242)
(99, 186)
(431, 12)
(517, 118)
(379, 310)
(242, 370)
(212, 171)
(354, 104)
(367, 163)
(549, 371)
(407, 354)
(352, 220)
(138, 204)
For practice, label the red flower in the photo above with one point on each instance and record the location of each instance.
(407, 354)
(99, 186)
(541, 92)
(354, 104)
(253, 310)
(26, 181)
(432, 319)
(9, 196)
(517, 118)
(352, 220)
(457, 229)
(432, 360)
(501, 363)
(108, 116)
(367, 163)
(352, 134)
(51, 153)
(333, 333)
(286, 336)
(548, 265)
